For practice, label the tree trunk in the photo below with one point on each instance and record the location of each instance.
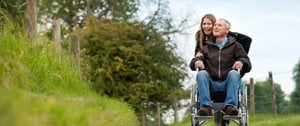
(88, 8)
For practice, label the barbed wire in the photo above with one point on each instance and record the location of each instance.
(262, 78)
(283, 72)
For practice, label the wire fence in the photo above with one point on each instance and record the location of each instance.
(284, 106)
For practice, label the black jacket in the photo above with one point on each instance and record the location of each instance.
(219, 62)
(244, 40)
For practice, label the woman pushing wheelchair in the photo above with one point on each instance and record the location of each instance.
(218, 61)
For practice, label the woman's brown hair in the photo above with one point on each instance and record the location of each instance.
(200, 35)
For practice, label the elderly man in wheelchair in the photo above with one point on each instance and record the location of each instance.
(223, 63)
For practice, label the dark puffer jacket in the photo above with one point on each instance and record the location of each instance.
(219, 62)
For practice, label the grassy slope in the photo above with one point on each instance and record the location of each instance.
(37, 88)
(257, 120)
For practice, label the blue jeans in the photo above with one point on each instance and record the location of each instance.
(230, 86)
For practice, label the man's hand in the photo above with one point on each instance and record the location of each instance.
(237, 65)
(199, 64)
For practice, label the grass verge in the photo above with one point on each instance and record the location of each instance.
(39, 87)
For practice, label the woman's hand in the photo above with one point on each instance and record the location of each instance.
(199, 54)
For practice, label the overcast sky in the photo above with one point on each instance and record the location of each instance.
(273, 26)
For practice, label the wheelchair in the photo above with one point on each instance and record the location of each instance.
(219, 117)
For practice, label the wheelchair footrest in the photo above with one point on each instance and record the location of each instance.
(229, 117)
(203, 117)
(218, 106)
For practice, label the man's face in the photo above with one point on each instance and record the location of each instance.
(220, 29)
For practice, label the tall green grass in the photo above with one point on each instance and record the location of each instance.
(39, 87)
(270, 120)
(38, 67)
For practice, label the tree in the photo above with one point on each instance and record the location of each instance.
(123, 53)
(295, 95)
(132, 62)
(74, 12)
(263, 98)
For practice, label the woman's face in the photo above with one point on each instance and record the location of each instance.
(207, 26)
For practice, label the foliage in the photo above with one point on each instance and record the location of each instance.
(74, 12)
(295, 95)
(38, 88)
(14, 9)
(158, 77)
(132, 62)
(263, 101)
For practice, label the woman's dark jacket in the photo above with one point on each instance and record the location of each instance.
(218, 62)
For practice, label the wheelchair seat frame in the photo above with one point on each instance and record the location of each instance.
(219, 116)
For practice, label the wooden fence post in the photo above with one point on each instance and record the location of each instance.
(158, 113)
(143, 116)
(175, 105)
(57, 34)
(273, 96)
(252, 97)
(74, 50)
(31, 19)
(298, 80)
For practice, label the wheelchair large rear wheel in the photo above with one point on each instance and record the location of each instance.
(194, 121)
(244, 120)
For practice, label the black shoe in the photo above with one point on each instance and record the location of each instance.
(205, 111)
(230, 110)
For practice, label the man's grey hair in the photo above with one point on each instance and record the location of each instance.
(228, 25)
